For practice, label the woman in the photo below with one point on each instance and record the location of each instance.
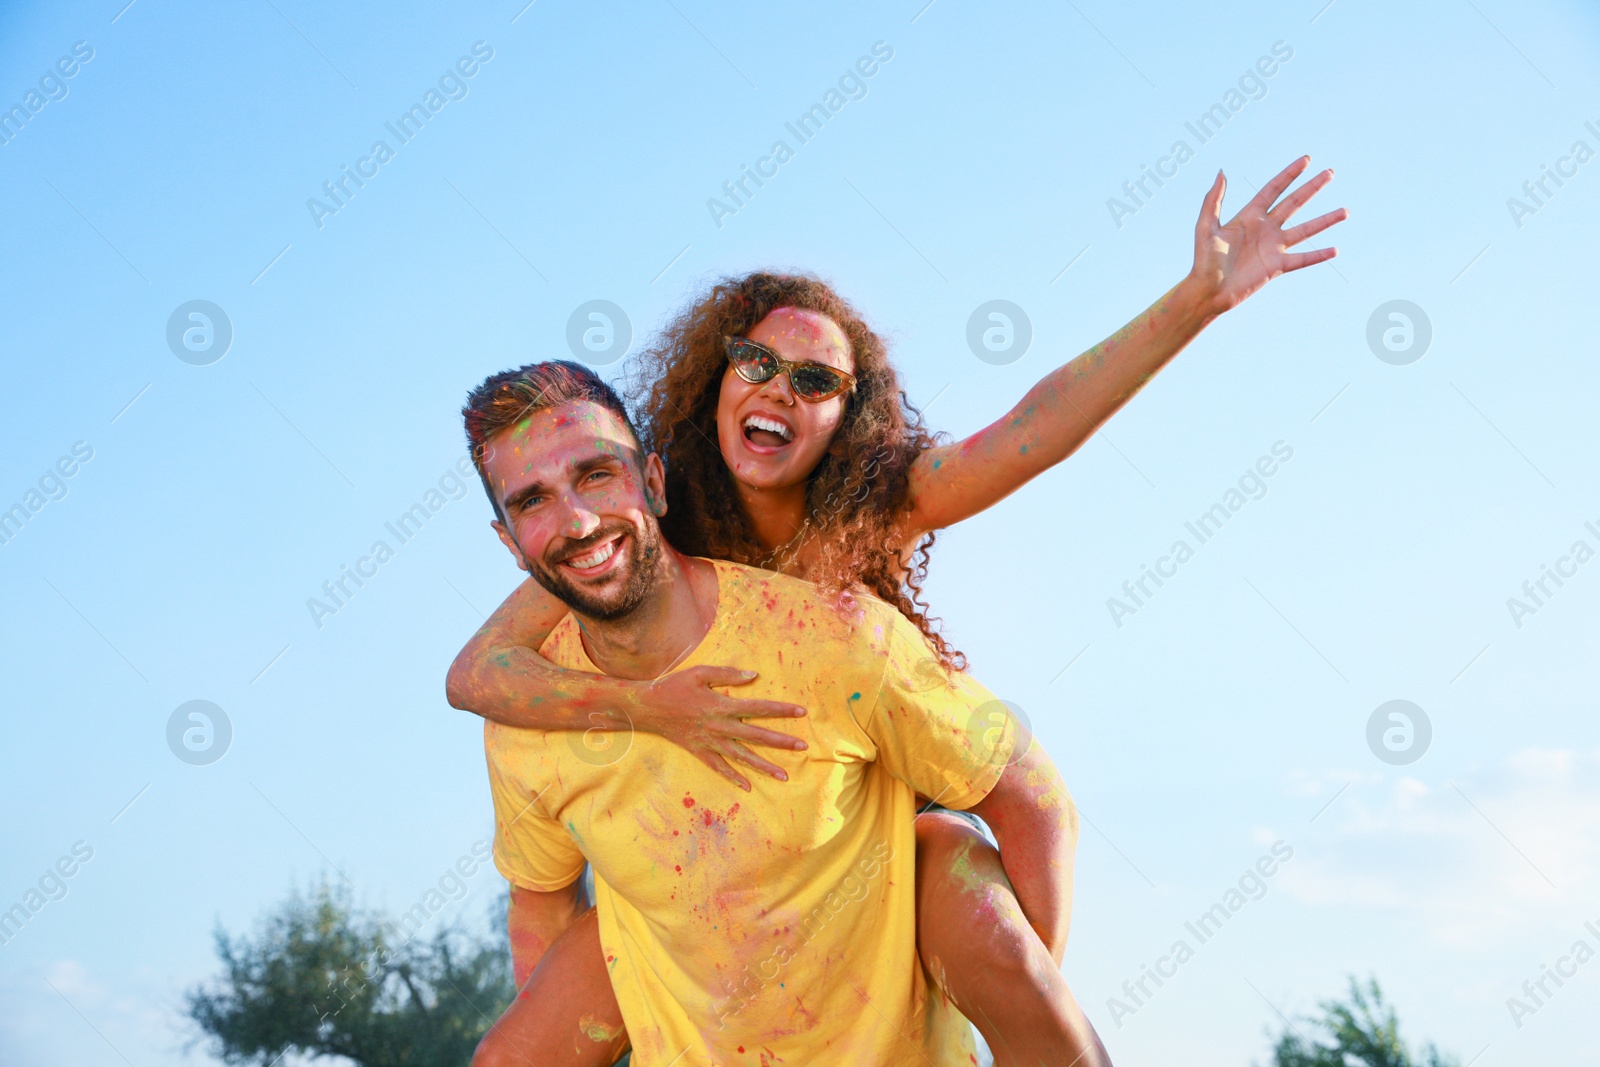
(788, 444)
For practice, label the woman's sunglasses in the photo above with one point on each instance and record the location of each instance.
(811, 382)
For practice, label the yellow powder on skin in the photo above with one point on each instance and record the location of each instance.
(595, 1030)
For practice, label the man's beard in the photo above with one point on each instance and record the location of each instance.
(619, 597)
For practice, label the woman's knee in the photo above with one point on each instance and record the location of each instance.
(943, 838)
(963, 893)
(954, 854)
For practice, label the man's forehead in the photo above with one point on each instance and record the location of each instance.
(559, 436)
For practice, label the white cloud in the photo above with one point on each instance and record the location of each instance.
(1476, 861)
(73, 982)
(64, 1007)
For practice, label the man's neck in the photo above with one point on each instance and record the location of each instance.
(657, 635)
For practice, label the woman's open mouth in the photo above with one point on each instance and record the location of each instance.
(765, 434)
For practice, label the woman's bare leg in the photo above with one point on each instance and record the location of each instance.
(980, 949)
(565, 1015)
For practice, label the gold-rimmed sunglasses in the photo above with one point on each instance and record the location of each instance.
(811, 382)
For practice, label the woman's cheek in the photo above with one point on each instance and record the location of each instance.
(727, 404)
(830, 424)
(729, 396)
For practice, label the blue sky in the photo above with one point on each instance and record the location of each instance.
(576, 163)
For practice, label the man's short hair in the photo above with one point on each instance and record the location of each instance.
(505, 399)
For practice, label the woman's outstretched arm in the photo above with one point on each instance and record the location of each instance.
(501, 676)
(1232, 261)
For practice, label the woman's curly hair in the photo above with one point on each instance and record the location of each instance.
(857, 494)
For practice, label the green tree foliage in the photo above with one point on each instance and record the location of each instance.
(1364, 1033)
(321, 978)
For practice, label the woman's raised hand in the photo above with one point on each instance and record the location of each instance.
(1234, 260)
(683, 708)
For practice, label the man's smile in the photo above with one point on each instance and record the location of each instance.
(596, 560)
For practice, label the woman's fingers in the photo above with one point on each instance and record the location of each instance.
(1284, 211)
(741, 706)
(763, 709)
(745, 756)
(750, 709)
(1270, 192)
(720, 765)
(1313, 227)
(1297, 260)
(1211, 206)
(760, 735)
(709, 676)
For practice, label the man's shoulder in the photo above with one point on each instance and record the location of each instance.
(564, 645)
(847, 615)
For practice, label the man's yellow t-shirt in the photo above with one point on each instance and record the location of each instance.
(776, 926)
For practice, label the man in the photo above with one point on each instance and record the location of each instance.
(775, 926)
